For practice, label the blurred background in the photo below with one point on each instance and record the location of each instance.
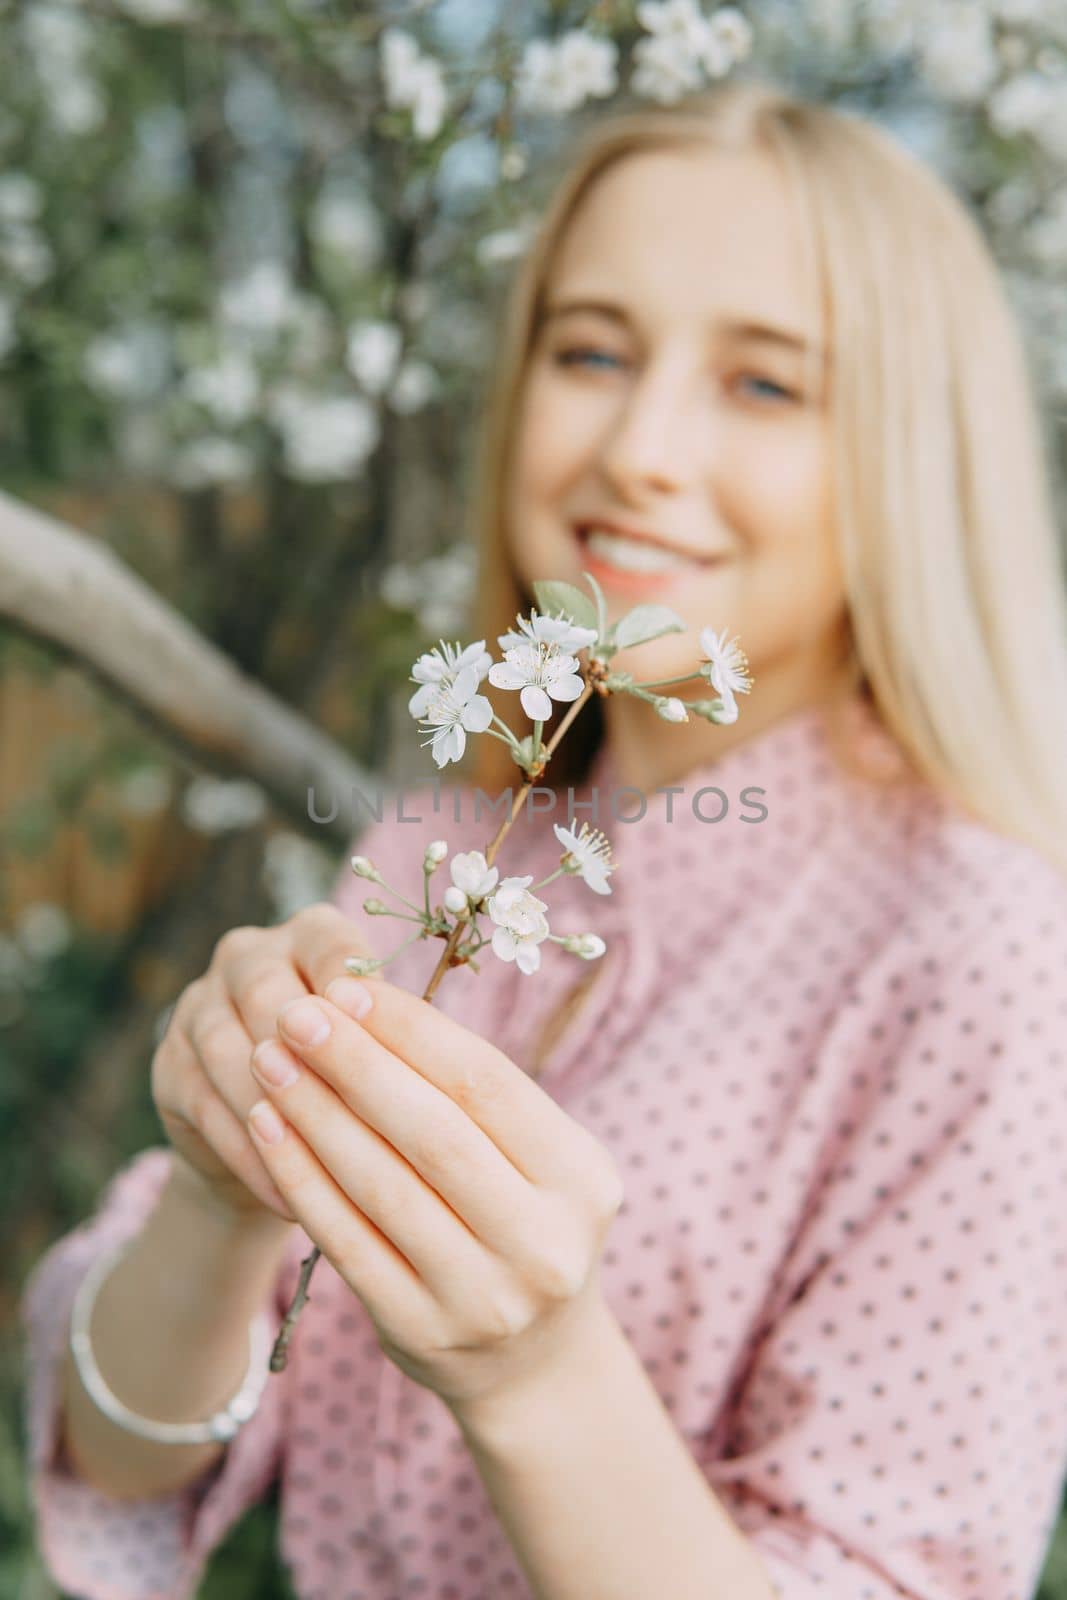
(251, 258)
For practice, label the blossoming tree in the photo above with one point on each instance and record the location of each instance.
(248, 260)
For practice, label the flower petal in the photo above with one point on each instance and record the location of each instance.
(729, 704)
(505, 675)
(419, 703)
(449, 744)
(477, 714)
(568, 687)
(528, 958)
(535, 702)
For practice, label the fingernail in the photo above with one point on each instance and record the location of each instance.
(266, 1122)
(305, 1022)
(272, 1063)
(350, 996)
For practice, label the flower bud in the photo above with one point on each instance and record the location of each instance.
(672, 710)
(587, 945)
(455, 901)
(365, 869)
(375, 908)
(361, 966)
(435, 854)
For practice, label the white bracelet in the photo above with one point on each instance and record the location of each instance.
(222, 1426)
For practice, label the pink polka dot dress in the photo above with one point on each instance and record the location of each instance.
(827, 1046)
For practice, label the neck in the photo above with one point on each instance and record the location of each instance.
(650, 753)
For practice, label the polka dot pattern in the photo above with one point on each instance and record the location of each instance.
(827, 1050)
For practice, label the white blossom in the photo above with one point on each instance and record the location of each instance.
(538, 630)
(349, 225)
(541, 675)
(454, 710)
(43, 930)
(229, 388)
(438, 589)
(129, 363)
(726, 668)
(587, 945)
(20, 198)
(831, 21)
(27, 254)
(505, 244)
(441, 666)
(159, 10)
(413, 82)
(416, 384)
(215, 805)
(295, 872)
(558, 75)
(59, 41)
(684, 45)
(1046, 237)
(672, 709)
(589, 854)
(326, 437)
(145, 792)
(521, 924)
(1013, 202)
(957, 51)
(472, 875)
(730, 38)
(80, 108)
(513, 163)
(1051, 131)
(664, 70)
(211, 460)
(372, 354)
(57, 36)
(892, 26)
(260, 303)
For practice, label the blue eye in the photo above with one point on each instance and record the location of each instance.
(771, 389)
(585, 355)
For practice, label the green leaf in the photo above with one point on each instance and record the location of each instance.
(644, 623)
(553, 597)
(601, 606)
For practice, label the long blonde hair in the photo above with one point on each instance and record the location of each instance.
(953, 576)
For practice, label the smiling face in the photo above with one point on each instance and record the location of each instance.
(668, 395)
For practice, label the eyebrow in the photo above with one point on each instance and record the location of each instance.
(738, 328)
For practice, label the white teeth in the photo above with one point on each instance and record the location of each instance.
(633, 555)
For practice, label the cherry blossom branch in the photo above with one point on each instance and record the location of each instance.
(537, 661)
(448, 952)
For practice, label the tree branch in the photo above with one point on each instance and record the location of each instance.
(77, 597)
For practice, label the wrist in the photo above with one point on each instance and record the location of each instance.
(503, 1421)
(192, 1192)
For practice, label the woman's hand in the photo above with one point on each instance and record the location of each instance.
(457, 1200)
(201, 1083)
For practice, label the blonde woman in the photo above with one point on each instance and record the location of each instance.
(794, 1148)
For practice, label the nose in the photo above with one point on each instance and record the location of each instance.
(658, 437)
